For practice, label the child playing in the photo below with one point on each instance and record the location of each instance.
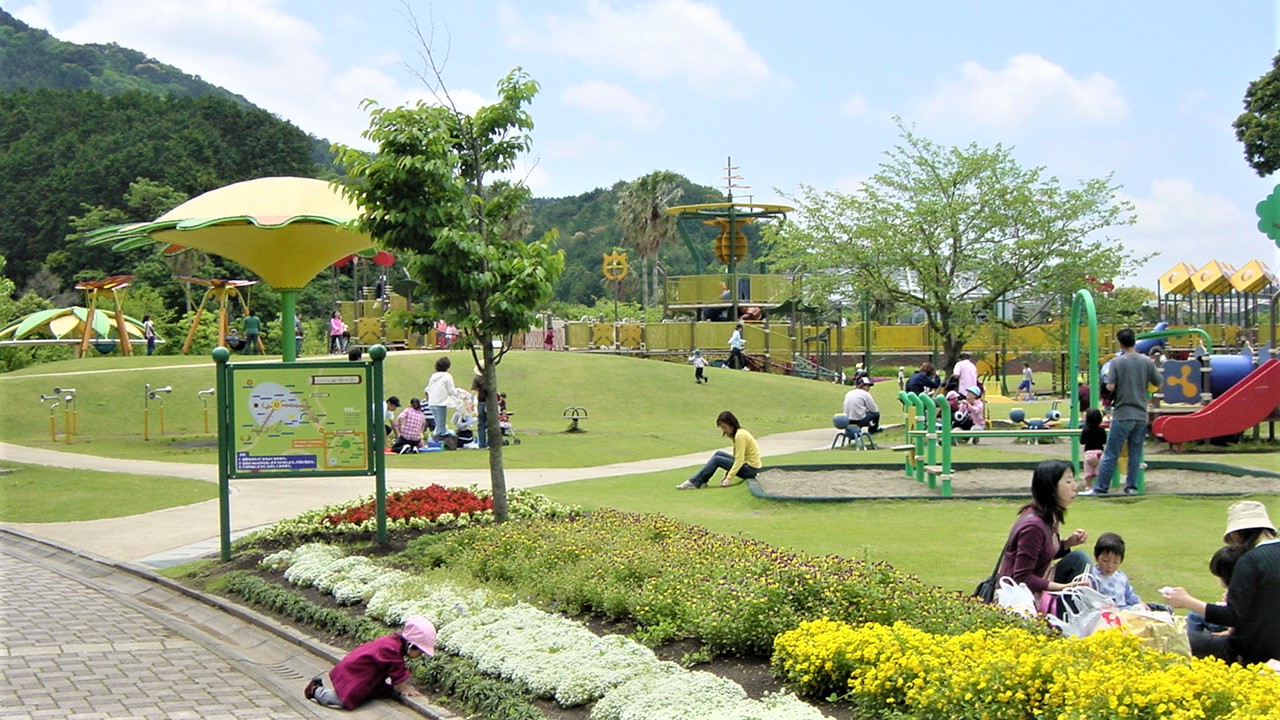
(1106, 575)
(1028, 382)
(375, 667)
(973, 409)
(699, 363)
(1093, 438)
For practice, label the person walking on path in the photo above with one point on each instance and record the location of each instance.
(737, 361)
(743, 464)
(1131, 374)
(376, 667)
(149, 332)
(1028, 384)
(337, 329)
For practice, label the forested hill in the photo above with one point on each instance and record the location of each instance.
(32, 58)
(80, 124)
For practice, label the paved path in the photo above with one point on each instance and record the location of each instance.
(89, 639)
(177, 534)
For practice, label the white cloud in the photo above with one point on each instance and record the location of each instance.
(35, 14)
(1186, 224)
(582, 145)
(855, 106)
(1029, 88)
(654, 40)
(605, 98)
(255, 48)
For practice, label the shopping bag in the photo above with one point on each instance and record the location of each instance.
(1158, 630)
(1087, 612)
(1016, 596)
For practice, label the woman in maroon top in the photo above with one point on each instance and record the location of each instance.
(1034, 542)
(375, 667)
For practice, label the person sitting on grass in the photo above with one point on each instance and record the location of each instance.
(376, 668)
(411, 424)
(743, 464)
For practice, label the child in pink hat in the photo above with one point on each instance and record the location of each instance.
(376, 667)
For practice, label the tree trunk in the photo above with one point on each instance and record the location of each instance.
(497, 474)
(644, 284)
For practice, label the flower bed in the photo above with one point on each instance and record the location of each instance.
(431, 507)
(682, 581)
(548, 655)
(1012, 674)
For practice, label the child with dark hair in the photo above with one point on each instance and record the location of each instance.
(1106, 575)
(1222, 564)
(1093, 438)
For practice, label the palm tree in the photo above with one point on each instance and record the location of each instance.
(645, 224)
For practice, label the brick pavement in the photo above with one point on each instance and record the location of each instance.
(87, 640)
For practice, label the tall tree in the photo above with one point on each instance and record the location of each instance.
(642, 207)
(1258, 127)
(425, 192)
(955, 232)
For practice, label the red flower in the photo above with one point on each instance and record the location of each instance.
(429, 503)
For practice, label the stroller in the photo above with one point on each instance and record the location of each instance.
(504, 422)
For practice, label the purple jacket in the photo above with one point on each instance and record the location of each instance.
(367, 668)
(1033, 546)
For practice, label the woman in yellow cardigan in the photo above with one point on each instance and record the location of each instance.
(743, 464)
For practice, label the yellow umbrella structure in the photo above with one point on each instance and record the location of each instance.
(284, 229)
(94, 290)
(67, 326)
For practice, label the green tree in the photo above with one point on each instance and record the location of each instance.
(1258, 127)
(955, 232)
(646, 226)
(425, 192)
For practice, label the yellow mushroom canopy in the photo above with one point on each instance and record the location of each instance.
(284, 229)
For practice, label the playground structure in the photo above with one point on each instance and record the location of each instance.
(1214, 294)
(284, 229)
(70, 326)
(222, 293)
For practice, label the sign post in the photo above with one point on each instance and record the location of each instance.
(288, 420)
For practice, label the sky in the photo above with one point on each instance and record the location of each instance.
(798, 94)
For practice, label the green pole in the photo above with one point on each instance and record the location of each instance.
(288, 325)
(1082, 309)
(378, 353)
(221, 399)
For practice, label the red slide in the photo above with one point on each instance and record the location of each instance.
(1246, 404)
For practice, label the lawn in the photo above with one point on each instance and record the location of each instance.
(32, 493)
(637, 409)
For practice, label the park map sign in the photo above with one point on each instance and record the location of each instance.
(297, 420)
(300, 419)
